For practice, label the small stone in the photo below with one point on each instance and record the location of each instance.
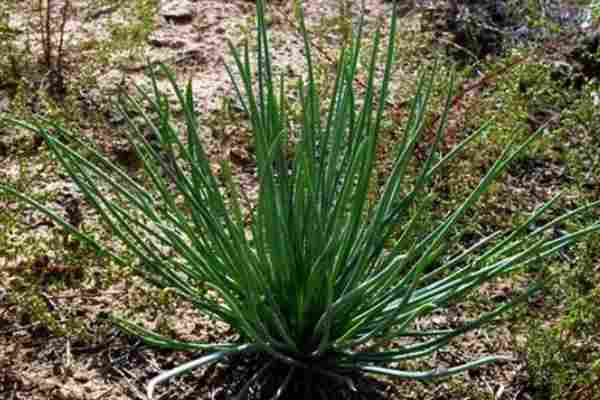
(4, 102)
(561, 71)
(179, 12)
(69, 393)
(522, 33)
(110, 80)
(81, 376)
(94, 95)
(48, 385)
(162, 39)
(596, 98)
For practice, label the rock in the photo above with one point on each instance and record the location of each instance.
(596, 98)
(49, 385)
(166, 39)
(111, 80)
(561, 71)
(82, 376)
(69, 392)
(521, 33)
(179, 12)
(4, 103)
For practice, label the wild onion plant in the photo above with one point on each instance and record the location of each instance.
(321, 279)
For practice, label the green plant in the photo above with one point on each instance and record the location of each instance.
(131, 38)
(323, 279)
(562, 350)
(561, 364)
(595, 7)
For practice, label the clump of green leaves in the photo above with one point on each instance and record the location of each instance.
(35, 311)
(323, 279)
(561, 363)
(131, 38)
(562, 352)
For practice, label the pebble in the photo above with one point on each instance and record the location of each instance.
(179, 12)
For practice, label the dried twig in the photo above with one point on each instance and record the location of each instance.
(63, 23)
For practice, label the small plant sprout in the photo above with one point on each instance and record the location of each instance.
(321, 279)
